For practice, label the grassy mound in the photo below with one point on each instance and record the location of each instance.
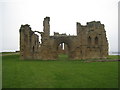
(62, 73)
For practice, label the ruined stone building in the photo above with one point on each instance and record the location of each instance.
(90, 42)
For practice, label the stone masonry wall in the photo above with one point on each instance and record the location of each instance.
(90, 42)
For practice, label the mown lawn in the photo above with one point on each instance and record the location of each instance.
(62, 73)
(7, 52)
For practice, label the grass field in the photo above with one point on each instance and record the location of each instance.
(62, 73)
(7, 52)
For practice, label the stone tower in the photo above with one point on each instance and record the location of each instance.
(46, 26)
(29, 42)
(93, 39)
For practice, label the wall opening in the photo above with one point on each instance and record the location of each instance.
(39, 38)
(96, 40)
(62, 48)
(89, 40)
(62, 51)
(33, 49)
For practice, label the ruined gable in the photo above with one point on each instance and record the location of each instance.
(90, 42)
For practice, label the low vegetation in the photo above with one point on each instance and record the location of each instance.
(62, 73)
(7, 52)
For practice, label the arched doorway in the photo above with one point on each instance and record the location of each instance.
(63, 51)
(62, 46)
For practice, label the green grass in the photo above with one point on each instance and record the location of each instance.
(111, 57)
(8, 52)
(62, 73)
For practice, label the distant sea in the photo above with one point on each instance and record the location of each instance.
(114, 53)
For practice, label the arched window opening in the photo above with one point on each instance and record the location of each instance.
(96, 40)
(89, 40)
(33, 49)
(39, 36)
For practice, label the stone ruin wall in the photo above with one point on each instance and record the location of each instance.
(90, 42)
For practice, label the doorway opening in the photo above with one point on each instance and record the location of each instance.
(63, 51)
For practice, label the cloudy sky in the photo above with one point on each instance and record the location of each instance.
(63, 17)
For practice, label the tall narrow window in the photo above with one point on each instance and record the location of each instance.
(33, 49)
(89, 40)
(96, 40)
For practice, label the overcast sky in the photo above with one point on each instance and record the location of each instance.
(63, 17)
